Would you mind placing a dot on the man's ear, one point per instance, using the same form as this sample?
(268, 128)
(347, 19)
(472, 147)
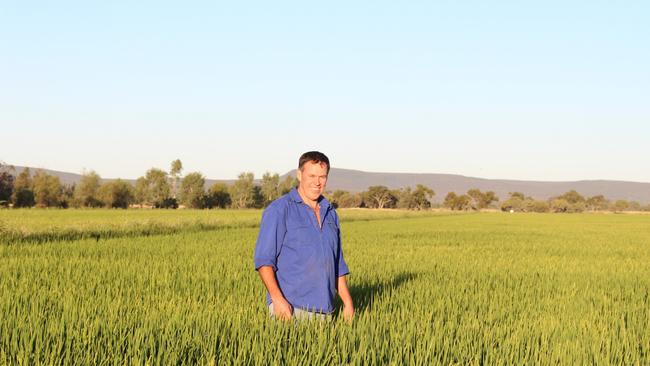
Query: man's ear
(298, 175)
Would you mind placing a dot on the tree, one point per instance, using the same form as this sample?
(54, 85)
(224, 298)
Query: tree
(270, 188)
(576, 207)
(175, 173)
(153, 189)
(488, 198)
(158, 186)
(476, 198)
(621, 205)
(518, 202)
(23, 195)
(47, 189)
(67, 195)
(86, 193)
(417, 199)
(6, 183)
(218, 196)
(481, 200)
(193, 190)
(379, 197)
(116, 194)
(258, 197)
(450, 200)
(634, 206)
(531, 205)
(559, 205)
(597, 203)
(572, 197)
(576, 202)
(345, 199)
(288, 183)
(513, 204)
(517, 195)
(141, 191)
(405, 199)
(422, 196)
(242, 191)
(463, 202)
(456, 202)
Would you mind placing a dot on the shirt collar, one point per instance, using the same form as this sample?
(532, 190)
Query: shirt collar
(296, 197)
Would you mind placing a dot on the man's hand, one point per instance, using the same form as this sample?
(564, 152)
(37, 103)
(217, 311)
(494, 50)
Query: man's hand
(344, 293)
(282, 309)
(348, 313)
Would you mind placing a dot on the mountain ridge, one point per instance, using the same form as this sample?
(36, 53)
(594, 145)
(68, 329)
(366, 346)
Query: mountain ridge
(357, 180)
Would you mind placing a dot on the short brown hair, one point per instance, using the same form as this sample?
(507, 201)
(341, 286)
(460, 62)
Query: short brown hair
(315, 157)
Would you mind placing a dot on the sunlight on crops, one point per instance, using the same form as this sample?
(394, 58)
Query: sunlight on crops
(42, 226)
(429, 288)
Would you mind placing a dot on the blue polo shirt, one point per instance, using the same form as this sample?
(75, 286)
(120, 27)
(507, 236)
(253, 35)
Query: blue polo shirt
(307, 258)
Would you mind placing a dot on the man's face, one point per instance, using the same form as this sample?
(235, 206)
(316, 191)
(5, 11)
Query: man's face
(312, 178)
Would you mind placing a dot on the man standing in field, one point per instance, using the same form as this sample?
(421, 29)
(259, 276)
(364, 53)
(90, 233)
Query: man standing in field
(298, 253)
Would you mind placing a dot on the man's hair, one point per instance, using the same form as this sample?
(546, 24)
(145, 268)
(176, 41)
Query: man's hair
(315, 157)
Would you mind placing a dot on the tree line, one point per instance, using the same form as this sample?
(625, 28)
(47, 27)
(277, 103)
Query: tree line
(569, 202)
(155, 189)
(158, 188)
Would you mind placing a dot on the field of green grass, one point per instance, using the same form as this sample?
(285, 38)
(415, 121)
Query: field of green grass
(178, 287)
(50, 225)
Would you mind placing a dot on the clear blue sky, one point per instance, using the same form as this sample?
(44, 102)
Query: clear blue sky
(545, 90)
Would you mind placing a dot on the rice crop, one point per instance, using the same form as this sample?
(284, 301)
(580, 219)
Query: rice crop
(51, 225)
(476, 289)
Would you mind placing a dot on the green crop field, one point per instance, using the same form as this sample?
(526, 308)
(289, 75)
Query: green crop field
(178, 287)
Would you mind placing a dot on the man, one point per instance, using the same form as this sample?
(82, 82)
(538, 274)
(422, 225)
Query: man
(298, 253)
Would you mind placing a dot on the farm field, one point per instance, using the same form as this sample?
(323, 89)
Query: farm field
(42, 226)
(178, 287)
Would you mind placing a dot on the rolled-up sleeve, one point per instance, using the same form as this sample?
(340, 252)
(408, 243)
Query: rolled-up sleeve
(270, 238)
(342, 267)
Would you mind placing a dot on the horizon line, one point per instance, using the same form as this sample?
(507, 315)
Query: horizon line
(360, 171)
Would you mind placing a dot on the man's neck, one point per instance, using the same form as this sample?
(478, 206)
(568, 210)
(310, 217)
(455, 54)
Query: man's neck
(307, 201)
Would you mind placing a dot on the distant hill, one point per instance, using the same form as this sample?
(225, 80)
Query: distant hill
(73, 178)
(357, 181)
(64, 177)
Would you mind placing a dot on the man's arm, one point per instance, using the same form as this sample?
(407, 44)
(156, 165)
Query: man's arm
(344, 293)
(341, 282)
(269, 242)
(281, 306)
